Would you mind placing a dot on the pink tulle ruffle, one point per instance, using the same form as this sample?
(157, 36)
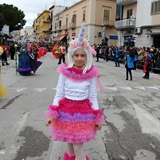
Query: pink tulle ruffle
(74, 121)
(77, 74)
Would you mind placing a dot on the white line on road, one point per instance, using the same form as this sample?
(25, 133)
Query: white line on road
(142, 88)
(112, 88)
(16, 130)
(20, 89)
(152, 87)
(149, 124)
(126, 88)
(40, 89)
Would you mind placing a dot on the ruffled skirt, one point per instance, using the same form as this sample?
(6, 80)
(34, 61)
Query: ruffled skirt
(74, 121)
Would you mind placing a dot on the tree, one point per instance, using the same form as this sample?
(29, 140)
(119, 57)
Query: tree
(1, 21)
(13, 17)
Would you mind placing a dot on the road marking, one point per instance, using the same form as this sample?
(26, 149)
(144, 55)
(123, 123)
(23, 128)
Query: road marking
(20, 89)
(127, 88)
(40, 89)
(112, 88)
(149, 124)
(2, 151)
(142, 88)
(54, 89)
(16, 130)
(152, 87)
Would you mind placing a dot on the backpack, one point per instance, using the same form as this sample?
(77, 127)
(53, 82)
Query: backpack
(150, 56)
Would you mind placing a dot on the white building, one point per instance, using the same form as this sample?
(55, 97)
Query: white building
(140, 23)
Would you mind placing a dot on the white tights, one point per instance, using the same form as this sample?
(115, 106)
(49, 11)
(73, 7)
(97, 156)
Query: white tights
(76, 149)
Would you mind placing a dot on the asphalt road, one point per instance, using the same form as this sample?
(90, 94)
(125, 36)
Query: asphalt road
(131, 108)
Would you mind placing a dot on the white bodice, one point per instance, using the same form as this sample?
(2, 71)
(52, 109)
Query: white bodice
(76, 90)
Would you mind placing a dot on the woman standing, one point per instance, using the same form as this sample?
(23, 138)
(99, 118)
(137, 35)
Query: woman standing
(24, 67)
(129, 63)
(147, 63)
(75, 116)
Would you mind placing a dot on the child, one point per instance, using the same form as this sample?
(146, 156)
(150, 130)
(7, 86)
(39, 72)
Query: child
(74, 115)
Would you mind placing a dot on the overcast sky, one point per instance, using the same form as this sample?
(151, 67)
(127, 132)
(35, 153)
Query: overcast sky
(32, 7)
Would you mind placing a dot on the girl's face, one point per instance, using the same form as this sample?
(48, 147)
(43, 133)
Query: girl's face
(79, 58)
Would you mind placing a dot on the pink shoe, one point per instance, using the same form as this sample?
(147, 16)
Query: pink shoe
(68, 157)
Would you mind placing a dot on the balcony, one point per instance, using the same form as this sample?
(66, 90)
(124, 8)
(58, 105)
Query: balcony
(45, 30)
(46, 20)
(125, 2)
(72, 25)
(126, 23)
(54, 29)
(59, 28)
(65, 27)
(108, 23)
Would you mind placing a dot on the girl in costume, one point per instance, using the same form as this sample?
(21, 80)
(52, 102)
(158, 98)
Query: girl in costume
(3, 90)
(75, 116)
(24, 65)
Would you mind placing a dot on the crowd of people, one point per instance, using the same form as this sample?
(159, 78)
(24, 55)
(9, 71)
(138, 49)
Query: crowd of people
(148, 58)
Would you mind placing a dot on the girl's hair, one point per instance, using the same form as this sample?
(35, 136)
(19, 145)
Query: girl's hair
(131, 52)
(89, 60)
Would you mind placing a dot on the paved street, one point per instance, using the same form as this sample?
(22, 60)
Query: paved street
(131, 108)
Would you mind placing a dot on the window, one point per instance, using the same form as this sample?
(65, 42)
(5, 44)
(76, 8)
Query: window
(106, 15)
(74, 18)
(129, 13)
(66, 21)
(84, 15)
(155, 7)
(60, 23)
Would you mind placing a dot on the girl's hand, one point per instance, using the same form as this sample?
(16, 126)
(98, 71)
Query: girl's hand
(98, 126)
(49, 121)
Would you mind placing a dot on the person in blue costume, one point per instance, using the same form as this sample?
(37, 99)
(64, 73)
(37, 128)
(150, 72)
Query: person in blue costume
(24, 66)
(27, 61)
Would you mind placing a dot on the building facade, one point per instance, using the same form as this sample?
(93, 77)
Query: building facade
(41, 26)
(139, 23)
(98, 16)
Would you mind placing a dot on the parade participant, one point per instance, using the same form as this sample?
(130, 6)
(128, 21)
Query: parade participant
(75, 116)
(147, 64)
(4, 55)
(24, 65)
(3, 90)
(62, 49)
(27, 60)
(129, 63)
(56, 52)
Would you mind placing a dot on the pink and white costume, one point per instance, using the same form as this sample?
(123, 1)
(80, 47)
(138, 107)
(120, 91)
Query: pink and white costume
(75, 108)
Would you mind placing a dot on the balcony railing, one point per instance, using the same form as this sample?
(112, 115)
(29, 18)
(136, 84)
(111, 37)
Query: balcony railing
(65, 27)
(59, 28)
(45, 30)
(54, 29)
(126, 23)
(125, 2)
(108, 22)
(46, 20)
(72, 25)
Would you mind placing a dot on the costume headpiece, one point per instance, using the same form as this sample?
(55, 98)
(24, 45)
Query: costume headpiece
(81, 43)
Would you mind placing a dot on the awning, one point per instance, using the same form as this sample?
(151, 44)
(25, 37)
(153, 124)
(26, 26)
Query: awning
(59, 38)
